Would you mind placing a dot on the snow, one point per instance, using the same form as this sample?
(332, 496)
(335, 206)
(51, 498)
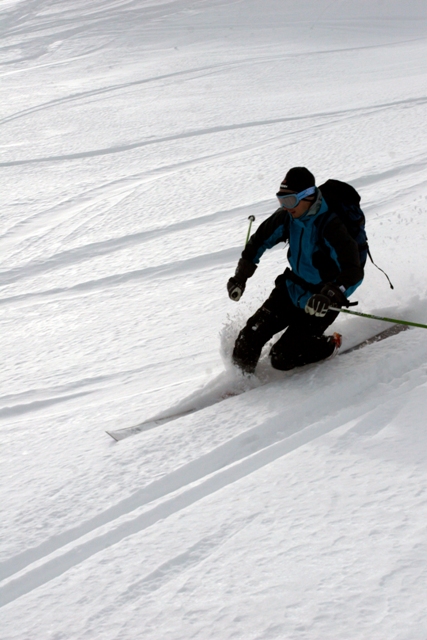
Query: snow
(137, 138)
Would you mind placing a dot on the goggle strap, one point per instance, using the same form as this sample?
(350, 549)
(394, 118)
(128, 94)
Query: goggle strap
(307, 192)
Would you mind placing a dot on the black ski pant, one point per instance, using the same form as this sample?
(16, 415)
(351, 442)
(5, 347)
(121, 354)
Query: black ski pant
(302, 342)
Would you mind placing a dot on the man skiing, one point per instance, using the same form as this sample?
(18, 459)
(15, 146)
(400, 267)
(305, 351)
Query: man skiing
(325, 270)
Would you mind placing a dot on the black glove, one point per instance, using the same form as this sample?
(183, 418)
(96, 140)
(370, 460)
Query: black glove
(235, 288)
(319, 303)
(236, 285)
(335, 295)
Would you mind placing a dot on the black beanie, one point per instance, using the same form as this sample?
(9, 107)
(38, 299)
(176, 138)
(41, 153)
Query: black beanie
(297, 179)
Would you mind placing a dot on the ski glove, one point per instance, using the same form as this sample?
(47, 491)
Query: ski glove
(236, 285)
(235, 288)
(319, 303)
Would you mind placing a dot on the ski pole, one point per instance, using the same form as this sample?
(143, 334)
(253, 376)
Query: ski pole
(251, 219)
(370, 315)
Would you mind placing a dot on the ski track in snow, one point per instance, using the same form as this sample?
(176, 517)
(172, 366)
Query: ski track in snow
(351, 113)
(223, 466)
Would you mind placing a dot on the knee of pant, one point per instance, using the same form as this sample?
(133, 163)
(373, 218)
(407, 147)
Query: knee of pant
(245, 355)
(259, 328)
(282, 361)
(243, 344)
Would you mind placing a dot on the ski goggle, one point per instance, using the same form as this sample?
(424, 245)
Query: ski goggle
(291, 200)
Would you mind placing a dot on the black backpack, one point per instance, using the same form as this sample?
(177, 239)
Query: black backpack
(344, 201)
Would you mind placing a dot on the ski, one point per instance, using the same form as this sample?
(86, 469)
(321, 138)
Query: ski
(121, 434)
(126, 432)
(386, 333)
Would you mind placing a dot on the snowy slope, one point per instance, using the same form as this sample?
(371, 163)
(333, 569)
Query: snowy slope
(137, 138)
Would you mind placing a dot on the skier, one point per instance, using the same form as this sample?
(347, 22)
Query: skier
(325, 270)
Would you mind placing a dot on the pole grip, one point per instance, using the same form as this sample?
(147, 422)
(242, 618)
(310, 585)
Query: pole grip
(251, 219)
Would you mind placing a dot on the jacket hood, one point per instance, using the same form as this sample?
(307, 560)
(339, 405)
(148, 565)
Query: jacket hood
(315, 207)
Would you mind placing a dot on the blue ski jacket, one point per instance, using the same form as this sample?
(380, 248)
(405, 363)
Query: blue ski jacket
(317, 254)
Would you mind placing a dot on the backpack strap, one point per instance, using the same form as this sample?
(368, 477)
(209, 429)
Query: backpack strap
(379, 269)
(308, 286)
(323, 221)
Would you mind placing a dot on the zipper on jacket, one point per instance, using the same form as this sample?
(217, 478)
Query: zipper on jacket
(299, 249)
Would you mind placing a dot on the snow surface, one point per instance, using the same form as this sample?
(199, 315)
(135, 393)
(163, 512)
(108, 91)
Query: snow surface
(137, 138)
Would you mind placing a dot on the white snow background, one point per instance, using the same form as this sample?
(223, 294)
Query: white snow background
(136, 138)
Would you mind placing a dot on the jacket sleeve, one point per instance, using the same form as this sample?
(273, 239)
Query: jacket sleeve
(270, 232)
(347, 252)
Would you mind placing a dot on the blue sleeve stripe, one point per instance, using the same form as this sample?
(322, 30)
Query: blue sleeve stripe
(270, 242)
(332, 252)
